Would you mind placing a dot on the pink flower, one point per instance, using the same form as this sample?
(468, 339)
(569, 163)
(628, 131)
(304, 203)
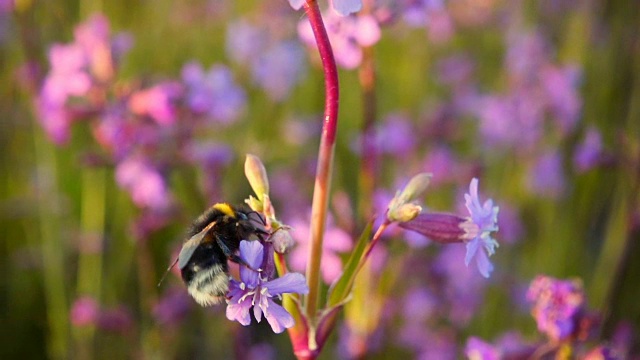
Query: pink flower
(341, 7)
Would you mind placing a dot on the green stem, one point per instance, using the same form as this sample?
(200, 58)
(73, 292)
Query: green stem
(52, 248)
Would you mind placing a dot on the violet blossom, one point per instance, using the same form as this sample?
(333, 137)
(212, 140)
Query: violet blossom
(213, 93)
(589, 153)
(279, 68)
(477, 349)
(474, 230)
(546, 175)
(255, 291)
(484, 219)
(341, 7)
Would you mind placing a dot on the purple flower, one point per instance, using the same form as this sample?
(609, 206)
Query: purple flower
(66, 78)
(588, 153)
(172, 308)
(255, 291)
(347, 35)
(484, 220)
(342, 7)
(514, 120)
(157, 102)
(145, 184)
(94, 37)
(245, 41)
(546, 177)
(560, 85)
(85, 311)
(433, 15)
(213, 93)
(279, 68)
(442, 163)
(556, 305)
(477, 349)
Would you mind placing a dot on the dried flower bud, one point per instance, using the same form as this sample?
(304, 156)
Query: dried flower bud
(257, 175)
(282, 240)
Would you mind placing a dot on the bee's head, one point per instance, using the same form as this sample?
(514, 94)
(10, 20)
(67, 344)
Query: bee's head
(251, 223)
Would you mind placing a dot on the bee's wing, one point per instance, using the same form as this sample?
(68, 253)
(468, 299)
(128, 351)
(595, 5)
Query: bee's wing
(191, 245)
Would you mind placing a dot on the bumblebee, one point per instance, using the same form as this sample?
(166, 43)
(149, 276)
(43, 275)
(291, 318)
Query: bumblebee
(214, 238)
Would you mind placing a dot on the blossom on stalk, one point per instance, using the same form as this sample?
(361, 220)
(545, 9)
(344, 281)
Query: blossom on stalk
(444, 228)
(255, 291)
(341, 7)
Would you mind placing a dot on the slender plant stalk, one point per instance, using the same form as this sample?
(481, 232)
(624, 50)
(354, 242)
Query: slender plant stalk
(368, 165)
(325, 157)
(52, 249)
(90, 260)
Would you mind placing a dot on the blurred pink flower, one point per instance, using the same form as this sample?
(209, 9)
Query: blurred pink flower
(347, 35)
(157, 102)
(556, 305)
(336, 241)
(341, 7)
(145, 184)
(85, 311)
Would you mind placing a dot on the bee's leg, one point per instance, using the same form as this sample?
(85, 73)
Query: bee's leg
(231, 256)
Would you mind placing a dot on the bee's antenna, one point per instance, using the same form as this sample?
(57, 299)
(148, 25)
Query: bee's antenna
(167, 272)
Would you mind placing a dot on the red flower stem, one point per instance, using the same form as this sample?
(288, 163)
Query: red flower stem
(325, 158)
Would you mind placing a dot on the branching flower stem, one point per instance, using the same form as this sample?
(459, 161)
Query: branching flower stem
(325, 158)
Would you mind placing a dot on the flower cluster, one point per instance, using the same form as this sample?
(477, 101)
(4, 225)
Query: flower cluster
(557, 306)
(140, 129)
(255, 291)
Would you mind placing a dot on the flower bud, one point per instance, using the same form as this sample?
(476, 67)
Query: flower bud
(440, 227)
(416, 186)
(282, 240)
(400, 207)
(257, 175)
(404, 213)
(254, 203)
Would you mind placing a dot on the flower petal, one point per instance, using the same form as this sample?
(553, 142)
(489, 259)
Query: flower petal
(252, 253)
(484, 265)
(289, 283)
(345, 7)
(472, 249)
(278, 317)
(296, 4)
(239, 312)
